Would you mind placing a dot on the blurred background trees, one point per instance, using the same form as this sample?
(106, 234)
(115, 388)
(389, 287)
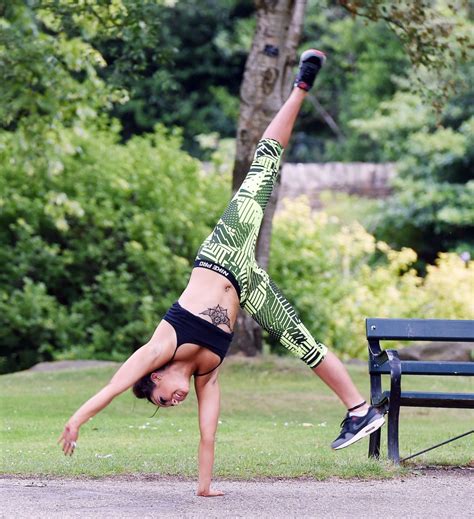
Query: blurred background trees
(107, 109)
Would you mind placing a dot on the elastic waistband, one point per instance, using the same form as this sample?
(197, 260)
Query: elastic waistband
(215, 267)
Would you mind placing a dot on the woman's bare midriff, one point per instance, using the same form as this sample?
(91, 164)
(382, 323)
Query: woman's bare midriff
(206, 290)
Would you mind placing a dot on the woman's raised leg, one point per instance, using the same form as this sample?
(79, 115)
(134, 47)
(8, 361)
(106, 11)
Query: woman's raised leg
(269, 307)
(334, 374)
(281, 126)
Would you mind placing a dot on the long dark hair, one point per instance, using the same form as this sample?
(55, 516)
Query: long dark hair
(143, 388)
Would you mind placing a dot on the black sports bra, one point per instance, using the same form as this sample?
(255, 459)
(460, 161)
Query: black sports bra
(192, 329)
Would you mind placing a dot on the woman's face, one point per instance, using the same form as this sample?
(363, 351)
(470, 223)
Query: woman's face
(170, 388)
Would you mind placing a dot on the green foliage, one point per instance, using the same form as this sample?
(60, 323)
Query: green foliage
(177, 63)
(374, 49)
(181, 63)
(94, 250)
(50, 85)
(337, 275)
(347, 208)
(43, 76)
(432, 208)
(358, 65)
(96, 236)
(435, 35)
(91, 230)
(31, 313)
(365, 62)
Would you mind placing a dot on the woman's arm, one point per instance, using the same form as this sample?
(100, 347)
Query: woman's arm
(143, 361)
(208, 395)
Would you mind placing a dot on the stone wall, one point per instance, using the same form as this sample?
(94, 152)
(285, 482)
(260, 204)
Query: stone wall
(355, 178)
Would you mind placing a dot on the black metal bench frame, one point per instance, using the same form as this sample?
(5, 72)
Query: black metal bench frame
(387, 362)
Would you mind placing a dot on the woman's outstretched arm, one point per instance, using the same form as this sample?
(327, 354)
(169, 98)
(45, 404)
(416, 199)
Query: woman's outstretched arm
(208, 394)
(143, 361)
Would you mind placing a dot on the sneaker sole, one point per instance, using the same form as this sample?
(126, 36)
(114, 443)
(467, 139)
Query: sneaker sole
(319, 53)
(368, 429)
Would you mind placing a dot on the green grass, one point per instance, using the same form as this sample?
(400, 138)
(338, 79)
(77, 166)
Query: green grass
(267, 405)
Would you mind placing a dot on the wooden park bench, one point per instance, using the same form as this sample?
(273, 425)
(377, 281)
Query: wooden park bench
(387, 362)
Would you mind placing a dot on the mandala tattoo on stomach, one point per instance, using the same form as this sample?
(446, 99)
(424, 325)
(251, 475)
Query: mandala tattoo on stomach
(218, 316)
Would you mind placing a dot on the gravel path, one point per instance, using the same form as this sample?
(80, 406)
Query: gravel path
(429, 494)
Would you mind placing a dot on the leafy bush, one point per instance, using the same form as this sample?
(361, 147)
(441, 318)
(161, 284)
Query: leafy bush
(96, 242)
(432, 208)
(337, 275)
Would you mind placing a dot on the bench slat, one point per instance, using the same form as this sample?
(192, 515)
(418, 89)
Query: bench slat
(420, 329)
(415, 367)
(445, 400)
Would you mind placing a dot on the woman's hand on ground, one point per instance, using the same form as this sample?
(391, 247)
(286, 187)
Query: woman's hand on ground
(68, 438)
(210, 493)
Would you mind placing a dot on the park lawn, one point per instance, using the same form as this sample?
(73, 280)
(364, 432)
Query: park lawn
(277, 420)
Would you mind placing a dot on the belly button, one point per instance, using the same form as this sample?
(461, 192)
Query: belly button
(227, 288)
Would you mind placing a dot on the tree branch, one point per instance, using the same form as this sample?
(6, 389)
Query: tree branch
(328, 119)
(353, 10)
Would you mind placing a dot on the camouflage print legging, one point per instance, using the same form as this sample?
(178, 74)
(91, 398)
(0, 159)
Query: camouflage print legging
(232, 245)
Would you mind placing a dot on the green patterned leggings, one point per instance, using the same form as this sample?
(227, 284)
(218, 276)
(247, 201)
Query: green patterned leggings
(232, 245)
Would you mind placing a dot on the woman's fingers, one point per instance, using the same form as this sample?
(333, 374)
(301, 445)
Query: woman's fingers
(71, 447)
(68, 439)
(68, 447)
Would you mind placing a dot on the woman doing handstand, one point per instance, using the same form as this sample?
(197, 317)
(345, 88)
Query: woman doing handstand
(195, 334)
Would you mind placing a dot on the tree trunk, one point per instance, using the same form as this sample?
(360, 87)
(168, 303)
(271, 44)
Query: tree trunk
(267, 82)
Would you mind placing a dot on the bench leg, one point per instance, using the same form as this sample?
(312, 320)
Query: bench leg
(394, 406)
(392, 433)
(375, 395)
(374, 444)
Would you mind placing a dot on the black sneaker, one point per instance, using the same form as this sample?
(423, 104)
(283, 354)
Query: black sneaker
(310, 63)
(355, 428)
